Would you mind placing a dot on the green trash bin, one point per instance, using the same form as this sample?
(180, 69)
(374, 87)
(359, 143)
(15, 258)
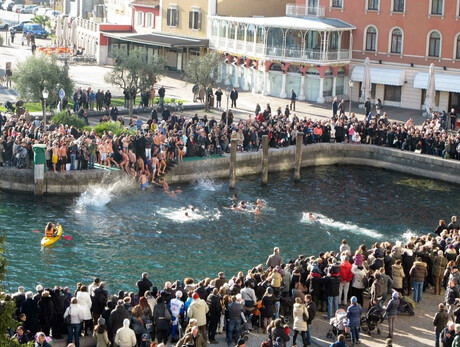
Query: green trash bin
(39, 154)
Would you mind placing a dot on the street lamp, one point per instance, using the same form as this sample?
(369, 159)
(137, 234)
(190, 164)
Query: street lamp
(45, 95)
(227, 94)
(350, 84)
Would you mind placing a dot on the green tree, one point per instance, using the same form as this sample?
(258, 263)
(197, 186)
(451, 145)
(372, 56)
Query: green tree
(202, 71)
(134, 73)
(7, 308)
(38, 72)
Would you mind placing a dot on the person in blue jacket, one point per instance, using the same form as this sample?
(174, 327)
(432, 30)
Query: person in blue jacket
(354, 313)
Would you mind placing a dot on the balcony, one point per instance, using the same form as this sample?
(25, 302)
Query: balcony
(304, 11)
(293, 54)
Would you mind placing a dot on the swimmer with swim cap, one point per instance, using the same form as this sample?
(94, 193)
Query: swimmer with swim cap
(242, 204)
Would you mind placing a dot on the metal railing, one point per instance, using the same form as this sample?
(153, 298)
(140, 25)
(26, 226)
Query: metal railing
(304, 11)
(272, 52)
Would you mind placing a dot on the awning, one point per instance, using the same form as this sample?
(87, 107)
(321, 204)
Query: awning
(443, 82)
(391, 77)
(160, 40)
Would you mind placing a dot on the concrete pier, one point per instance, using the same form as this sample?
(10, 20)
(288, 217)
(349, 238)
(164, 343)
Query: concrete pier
(233, 145)
(298, 156)
(264, 160)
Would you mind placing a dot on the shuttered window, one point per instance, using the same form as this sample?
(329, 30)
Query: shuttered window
(172, 17)
(194, 20)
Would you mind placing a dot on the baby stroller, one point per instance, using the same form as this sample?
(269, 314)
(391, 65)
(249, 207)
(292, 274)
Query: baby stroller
(9, 106)
(339, 325)
(406, 306)
(371, 320)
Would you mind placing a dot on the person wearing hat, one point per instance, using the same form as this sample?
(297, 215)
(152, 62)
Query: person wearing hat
(392, 312)
(100, 334)
(125, 336)
(116, 318)
(354, 313)
(198, 310)
(177, 309)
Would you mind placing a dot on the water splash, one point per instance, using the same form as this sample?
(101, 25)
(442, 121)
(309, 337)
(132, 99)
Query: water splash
(408, 235)
(207, 184)
(186, 215)
(345, 226)
(99, 195)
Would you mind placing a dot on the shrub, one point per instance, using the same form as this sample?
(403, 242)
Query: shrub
(66, 119)
(115, 127)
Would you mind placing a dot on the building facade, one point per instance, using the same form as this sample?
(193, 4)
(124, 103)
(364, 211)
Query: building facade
(401, 38)
(275, 55)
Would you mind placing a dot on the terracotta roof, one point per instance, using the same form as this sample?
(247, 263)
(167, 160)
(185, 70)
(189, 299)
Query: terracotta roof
(145, 3)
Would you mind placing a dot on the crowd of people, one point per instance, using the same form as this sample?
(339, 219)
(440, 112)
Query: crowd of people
(267, 298)
(167, 136)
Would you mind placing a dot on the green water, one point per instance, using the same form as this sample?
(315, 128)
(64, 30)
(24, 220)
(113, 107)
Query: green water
(119, 231)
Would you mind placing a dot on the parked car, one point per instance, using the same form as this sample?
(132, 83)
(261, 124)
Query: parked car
(17, 8)
(35, 29)
(42, 11)
(51, 13)
(8, 5)
(29, 9)
(19, 27)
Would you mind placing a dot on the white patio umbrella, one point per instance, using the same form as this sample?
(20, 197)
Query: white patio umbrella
(430, 91)
(59, 39)
(366, 85)
(66, 32)
(74, 35)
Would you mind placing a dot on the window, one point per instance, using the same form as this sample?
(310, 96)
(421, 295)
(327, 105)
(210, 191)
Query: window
(373, 89)
(371, 39)
(149, 20)
(336, 3)
(457, 55)
(139, 18)
(437, 7)
(434, 45)
(396, 41)
(172, 17)
(398, 5)
(436, 97)
(194, 19)
(373, 5)
(392, 93)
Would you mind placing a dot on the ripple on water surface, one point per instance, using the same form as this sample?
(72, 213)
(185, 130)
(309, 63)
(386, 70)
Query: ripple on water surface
(119, 231)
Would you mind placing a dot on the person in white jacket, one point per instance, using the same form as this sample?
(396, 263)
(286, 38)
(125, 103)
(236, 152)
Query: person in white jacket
(76, 317)
(84, 299)
(358, 282)
(125, 337)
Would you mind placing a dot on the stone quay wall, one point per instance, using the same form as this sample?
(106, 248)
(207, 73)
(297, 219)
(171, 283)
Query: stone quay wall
(318, 155)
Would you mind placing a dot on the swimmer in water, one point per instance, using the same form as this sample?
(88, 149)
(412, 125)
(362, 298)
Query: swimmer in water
(257, 211)
(259, 203)
(242, 204)
(311, 217)
(186, 214)
(235, 197)
(143, 178)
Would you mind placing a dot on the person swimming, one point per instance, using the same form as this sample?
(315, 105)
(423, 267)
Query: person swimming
(144, 179)
(259, 203)
(186, 214)
(235, 197)
(311, 217)
(242, 204)
(257, 211)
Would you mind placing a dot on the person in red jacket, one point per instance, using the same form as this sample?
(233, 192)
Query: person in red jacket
(346, 277)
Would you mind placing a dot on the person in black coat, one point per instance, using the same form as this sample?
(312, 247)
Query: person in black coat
(47, 312)
(117, 316)
(144, 284)
(99, 301)
(60, 303)
(215, 311)
(162, 316)
(311, 309)
(331, 289)
(30, 308)
(234, 97)
(218, 94)
(277, 334)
